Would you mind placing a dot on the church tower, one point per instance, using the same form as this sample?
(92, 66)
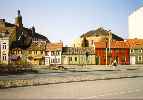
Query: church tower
(18, 19)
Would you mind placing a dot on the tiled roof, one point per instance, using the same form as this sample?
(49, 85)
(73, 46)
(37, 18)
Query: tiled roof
(37, 35)
(135, 43)
(9, 24)
(101, 32)
(72, 50)
(37, 46)
(100, 44)
(54, 46)
(114, 44)
(17, 49)
(119, 44)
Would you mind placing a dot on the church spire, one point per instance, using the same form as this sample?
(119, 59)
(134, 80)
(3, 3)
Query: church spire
(18, 13)
(33, 29)
(18, 19)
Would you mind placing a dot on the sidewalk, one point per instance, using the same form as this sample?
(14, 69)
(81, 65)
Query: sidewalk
(45, 80)
(103, 67)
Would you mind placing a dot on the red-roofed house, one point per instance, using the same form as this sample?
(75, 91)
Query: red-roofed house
(53, 53)
(119, 51)
(136, 51)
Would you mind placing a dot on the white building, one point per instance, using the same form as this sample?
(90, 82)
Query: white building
(53, 54)
(4, 50)
(135, 24)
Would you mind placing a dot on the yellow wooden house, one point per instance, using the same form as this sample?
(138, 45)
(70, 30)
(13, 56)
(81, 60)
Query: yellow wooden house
(36, 53)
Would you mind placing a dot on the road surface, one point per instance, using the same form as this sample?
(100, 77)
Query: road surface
(115, 88)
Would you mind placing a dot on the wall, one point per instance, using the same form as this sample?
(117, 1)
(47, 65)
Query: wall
(4, 50)
(49, 58)
(81, 59)
(135, 24)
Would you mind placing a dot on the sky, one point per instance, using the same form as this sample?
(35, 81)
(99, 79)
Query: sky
(67, 19)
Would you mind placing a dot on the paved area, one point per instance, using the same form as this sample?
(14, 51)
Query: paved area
(75, 72)
(107, 89)
(72, 74)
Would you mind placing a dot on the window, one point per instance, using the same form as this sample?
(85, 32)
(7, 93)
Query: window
(51, 60)
(75, 58)
(131, 51)
(14, 51)
(70, 58)
(58, 53)
(139, 58)
(52, 53)
(46, 53)
(4, 45)
(140, 50)
(35, 39)
(35, 52)
(4, 57)
(58, 60)
(92, 42)
(19, 51)
(30, 52)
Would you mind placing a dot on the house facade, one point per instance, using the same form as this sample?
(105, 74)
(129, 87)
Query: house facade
(16, 55)
(97, 35)
(119, 51)
(53, 53)
(36, 53)
(4, 50)
(78, 56)
(136, 51)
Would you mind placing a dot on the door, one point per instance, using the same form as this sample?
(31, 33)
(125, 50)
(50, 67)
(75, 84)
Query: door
(97, 60)
(47, 60)
(132, 60)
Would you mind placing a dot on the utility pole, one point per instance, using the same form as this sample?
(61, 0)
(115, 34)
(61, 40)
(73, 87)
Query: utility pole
(108, 42)
(106, 52)
(109, 45)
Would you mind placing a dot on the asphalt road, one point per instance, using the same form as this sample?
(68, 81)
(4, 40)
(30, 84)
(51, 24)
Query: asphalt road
(115, 88)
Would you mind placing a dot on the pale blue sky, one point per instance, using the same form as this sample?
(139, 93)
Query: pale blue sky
(67, 19)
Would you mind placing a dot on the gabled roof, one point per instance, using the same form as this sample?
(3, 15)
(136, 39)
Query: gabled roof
(100, 32)
(9, 24)
(37, 35)
(135, 43)
(37, 46)
(16, 49)
(54, 46)
(78, 50)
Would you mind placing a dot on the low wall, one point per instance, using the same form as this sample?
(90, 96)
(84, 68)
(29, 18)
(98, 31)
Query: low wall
(55, 80)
